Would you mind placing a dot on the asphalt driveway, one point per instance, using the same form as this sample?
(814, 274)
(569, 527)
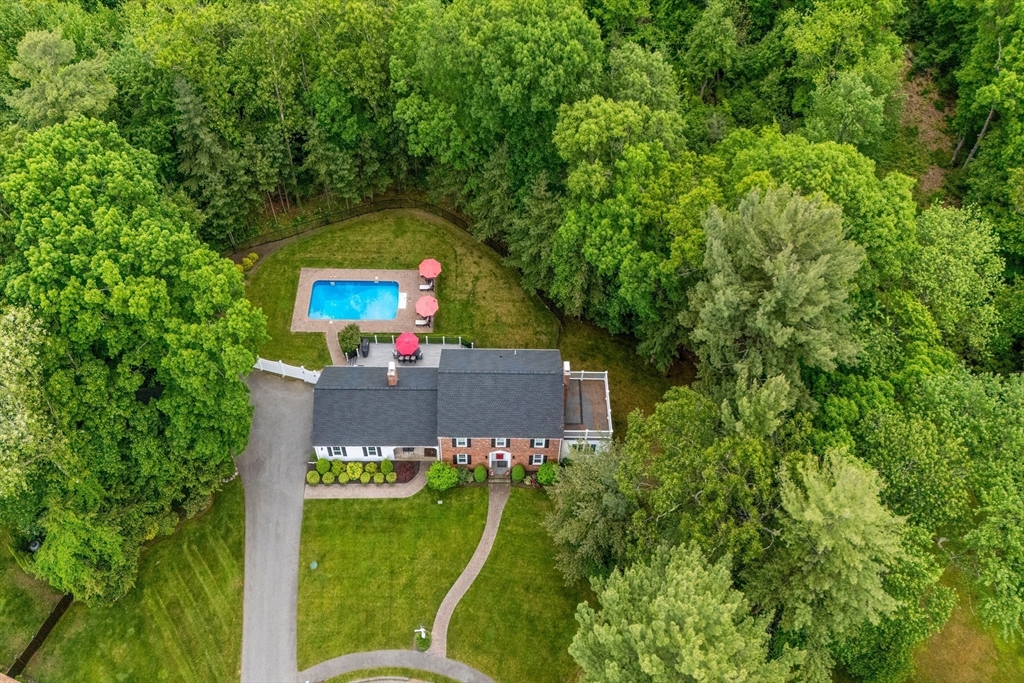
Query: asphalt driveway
(273, 473)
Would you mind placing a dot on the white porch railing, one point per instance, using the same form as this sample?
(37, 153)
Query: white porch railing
(589, 375)
(281, 368)
(586, 434)
(390, 339)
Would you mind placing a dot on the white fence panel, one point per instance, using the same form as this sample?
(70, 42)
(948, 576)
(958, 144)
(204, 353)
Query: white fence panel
(281, 368)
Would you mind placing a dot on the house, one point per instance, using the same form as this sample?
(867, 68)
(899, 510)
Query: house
(492, 407)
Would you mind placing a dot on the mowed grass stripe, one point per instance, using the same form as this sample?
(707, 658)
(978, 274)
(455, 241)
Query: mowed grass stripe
(183, 620)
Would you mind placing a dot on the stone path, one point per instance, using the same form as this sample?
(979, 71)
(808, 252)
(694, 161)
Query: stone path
(273, 470)
(496, 499)
(337, 356)
(405, 659)
(409, 488)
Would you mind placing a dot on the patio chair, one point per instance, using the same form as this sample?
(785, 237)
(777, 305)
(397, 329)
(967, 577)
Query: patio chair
(427, 287)
(421, 323)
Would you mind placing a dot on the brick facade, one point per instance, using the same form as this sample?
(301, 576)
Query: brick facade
(479, 451)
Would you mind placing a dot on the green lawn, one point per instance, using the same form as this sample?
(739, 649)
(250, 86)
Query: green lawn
(384, 566)
(480, 297)
(24, 604)
(181, 622)
(517, 620)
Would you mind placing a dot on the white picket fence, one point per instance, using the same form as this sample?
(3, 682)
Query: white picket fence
(281, 368)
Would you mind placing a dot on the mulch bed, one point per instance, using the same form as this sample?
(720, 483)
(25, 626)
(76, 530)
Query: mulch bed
(406, 471)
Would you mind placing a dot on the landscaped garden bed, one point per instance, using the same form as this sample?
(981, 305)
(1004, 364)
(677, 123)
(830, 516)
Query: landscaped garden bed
(326, 472)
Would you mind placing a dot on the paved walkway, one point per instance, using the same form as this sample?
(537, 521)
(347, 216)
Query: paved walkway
(273, 470)
(496, 499)
(409, 488)
(337, 356)
(405, 659)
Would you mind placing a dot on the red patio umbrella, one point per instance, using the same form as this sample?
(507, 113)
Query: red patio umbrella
(426, 306)
(406, 344)
(430, 268)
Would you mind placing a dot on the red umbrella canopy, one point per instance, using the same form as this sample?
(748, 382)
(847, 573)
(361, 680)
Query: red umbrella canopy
(426, 305)
(430, 268)
(406, 344)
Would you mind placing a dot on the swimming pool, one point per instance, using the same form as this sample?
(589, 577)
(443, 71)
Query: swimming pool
(353, 300)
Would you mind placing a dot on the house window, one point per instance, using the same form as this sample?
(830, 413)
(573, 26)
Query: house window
(462, 443)
(540, 443)
(500, 443)
(371, 452)
(537, 458)
(462, 459)
(336, 451)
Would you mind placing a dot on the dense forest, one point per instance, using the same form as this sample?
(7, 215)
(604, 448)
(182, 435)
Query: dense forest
(731, 180)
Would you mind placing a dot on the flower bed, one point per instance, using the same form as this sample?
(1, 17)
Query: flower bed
(358, 473)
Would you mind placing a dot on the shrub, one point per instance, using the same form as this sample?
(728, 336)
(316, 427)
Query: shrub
(518, 473)
(378, 478)
(365, 477)
(343, 478)
(370, 467)
(312, 477)
(348, 338)
(480, 474)
(253, 256)
(354, 470)
(391, 477)
(528, 481)
(547, 474)
(337, 467)
(323, 465)
(386, 466)
(328, 478)
(465, 476)
(441, 476)
(422, 644)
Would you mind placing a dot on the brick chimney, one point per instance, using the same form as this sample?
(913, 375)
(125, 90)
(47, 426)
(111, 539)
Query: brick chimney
(392, 374)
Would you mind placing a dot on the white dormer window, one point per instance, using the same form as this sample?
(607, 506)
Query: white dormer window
(540, 443)
(461, 443)
(501, 443)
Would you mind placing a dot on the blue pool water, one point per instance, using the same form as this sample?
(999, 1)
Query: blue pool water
(353, 300)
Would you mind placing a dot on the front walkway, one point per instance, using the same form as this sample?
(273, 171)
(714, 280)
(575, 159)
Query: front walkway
(403, 659)
(351, 491)
(497, 497)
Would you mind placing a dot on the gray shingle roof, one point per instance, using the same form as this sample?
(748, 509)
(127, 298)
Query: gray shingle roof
(354, 406)
(500, 393)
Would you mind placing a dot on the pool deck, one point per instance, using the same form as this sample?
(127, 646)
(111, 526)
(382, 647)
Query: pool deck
(380, 356)
(408, 290)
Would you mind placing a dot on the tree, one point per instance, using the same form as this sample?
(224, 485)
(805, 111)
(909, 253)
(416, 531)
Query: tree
(643, 77)
(846, 110)
(148, 336)
(58, 89)
(825, 579)
(590, 522)
(956, 273)
(774, 296)
(676, 618)
(711, 45)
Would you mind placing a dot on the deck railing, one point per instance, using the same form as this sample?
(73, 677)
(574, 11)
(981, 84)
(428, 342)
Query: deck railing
(588, 375)
(425, 338)
(586, 434)
(281, 368)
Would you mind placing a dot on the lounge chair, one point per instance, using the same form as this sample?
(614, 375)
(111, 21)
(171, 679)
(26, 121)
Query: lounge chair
(427, 287)
(420, 323)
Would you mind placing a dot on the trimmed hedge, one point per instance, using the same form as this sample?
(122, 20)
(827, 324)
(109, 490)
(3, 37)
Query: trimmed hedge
(312, 477)
(354, 469)
(370, 467)
(391, 477)
(547, 474)
(323, 465)
(328, 478)
(387, 467)
(365, 477)
(348, 338)
(518, 473)
(378, 478)
(343, 478)
(480, 474)
(441, 476)
(337, 467)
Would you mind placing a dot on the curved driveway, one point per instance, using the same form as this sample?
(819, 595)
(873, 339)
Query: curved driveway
(273, 471)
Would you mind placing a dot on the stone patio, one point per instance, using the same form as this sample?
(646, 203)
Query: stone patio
(380, 355)
(408, 289)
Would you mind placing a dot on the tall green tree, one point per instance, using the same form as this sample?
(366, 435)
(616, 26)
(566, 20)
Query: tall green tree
(675, 618)
(149, 334)
(774, 299)
(58, 88)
